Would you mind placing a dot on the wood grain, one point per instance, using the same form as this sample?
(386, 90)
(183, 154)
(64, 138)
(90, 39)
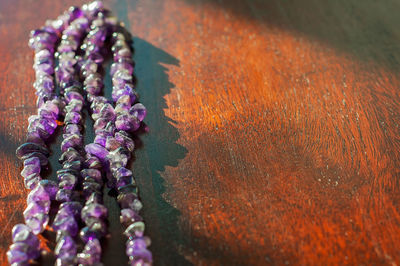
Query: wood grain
(273, 128)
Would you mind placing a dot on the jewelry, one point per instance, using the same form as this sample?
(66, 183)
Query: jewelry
(80, 35)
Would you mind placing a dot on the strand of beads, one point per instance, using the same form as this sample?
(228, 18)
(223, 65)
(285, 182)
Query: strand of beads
(34, 152)
(67, 218)
(94, 212)
(128, 120)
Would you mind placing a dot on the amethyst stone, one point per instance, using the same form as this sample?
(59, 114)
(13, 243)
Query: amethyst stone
(42, 158)
(94, 210)
(127, 122)
(129, 216)
(30, 147)
(30, 169)
(20, 253)
(135, 230)
(91, 253)
(65, 195)
(37, 223)
(65, 223)
(66, 247)
(97, 150)
(22, 233)
(139, 111)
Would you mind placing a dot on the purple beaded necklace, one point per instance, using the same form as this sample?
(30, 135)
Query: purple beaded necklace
(79, 36)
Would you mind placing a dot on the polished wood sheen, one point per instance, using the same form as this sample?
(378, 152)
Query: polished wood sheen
(273, 125)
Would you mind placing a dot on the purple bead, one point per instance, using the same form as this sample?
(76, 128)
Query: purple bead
(30, 147)
(129, 200)
(129, 216)
(98, 102)
(65, 223)
(74, 165)
(35, 138)
(90, 187)
(22, 233)
(52, 107)
(136, 249)
(125, 140)
(101, 140)
(123, 53)
(91, 253)
(88, 67)
(34, 208)
(97, 150)
(95, 37)
(93, 173)
(125, 101)
(107, 112)
(71, 155)
(46, 114)
(43, 54)
(67, 181)
(140, 257)
(43, 159)
(95, 197)
(127, 122)
(118, 158)
(32, 161)
(94, 80)
(138, 243)
(73, 95)
(121, 76)
(139, 111)
(39, 194)
(92, 162)
(71, 141)
(123, 176)
(94, 210)
(112, 143)
(72, 129)
(122, 109)
(117, 66)
(32, 181)
(30, 169)
(66, 247)
(42, 126)
(135, 230)
(65, 195)
(86, 234)
(120, 90)
(123, 181)
(73, 117)
(46, 68)
(37, 223)
(74, 106)
(21, 252)
(73, 208)
(100, 124)
(96, 57)
(50, 187)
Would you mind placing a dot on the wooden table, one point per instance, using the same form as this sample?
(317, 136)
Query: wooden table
(274, 128)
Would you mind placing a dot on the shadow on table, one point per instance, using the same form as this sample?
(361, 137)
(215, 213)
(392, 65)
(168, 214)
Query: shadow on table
(160, 149)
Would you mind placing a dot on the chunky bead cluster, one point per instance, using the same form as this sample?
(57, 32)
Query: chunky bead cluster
(69, 53)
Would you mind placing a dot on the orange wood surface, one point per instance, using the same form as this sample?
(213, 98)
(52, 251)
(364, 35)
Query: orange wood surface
(273, 128)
